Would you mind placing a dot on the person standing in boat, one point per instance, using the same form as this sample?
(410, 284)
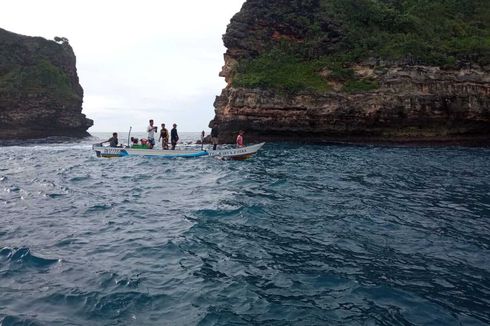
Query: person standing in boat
(164, 137)
(214, 136)
(239, 139)
(151, 134)
(174, 136)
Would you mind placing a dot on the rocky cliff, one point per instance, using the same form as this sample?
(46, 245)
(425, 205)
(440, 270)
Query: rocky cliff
(357, 70)
(40, 94)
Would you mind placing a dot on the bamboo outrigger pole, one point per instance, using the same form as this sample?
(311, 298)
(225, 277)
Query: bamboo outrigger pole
(129, 135)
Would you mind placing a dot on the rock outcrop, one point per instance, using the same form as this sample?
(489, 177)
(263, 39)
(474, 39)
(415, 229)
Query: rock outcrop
(362, 99)
(413, 103)
(40, 94)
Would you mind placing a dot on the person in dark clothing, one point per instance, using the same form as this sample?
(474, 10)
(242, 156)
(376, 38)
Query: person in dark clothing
(164, 137)
(214, 136)
(174, 137)
(113, 141)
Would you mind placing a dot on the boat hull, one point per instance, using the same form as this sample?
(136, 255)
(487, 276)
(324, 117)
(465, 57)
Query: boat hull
(241, 153)
(111, 152)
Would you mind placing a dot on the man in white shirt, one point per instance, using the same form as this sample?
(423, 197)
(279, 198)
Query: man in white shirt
(151, 134)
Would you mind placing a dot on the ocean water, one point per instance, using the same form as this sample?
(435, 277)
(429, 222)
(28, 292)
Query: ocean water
(298, 235)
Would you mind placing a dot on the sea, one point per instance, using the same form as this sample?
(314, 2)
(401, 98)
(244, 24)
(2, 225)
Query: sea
(301, 234)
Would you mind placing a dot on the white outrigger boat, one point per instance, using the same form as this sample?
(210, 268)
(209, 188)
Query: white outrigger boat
(240, 153)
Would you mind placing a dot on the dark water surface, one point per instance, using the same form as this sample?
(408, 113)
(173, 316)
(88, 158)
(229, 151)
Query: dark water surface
(303, 235)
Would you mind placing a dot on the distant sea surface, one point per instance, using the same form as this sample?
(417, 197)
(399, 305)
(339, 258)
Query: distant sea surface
(298, 235)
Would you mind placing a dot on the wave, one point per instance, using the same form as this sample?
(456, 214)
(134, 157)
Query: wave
(118, 306)
(47, 140)
(25, 257)
(297, 235)
(18, 321)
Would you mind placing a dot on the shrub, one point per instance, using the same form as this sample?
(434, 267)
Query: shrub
(357, 86)
(41, 77)
(432, 32)
(279, 70)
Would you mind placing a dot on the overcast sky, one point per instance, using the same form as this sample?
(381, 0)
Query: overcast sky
(137, 59)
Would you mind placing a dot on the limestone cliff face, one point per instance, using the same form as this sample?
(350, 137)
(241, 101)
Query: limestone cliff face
(40, 94)
(412, 103)
(380, 100)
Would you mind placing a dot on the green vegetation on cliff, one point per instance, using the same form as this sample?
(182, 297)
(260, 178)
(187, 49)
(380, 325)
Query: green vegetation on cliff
(35, 67)
(41, 78)
(311, 35)
(280, 70)
(40, 93)
(434, 32)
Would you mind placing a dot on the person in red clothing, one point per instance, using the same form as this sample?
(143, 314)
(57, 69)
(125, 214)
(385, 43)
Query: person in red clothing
(239, 139)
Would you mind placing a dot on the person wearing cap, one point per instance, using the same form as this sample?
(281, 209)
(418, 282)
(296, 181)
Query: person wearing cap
(174, 137)
(151, 133)
(239, 139)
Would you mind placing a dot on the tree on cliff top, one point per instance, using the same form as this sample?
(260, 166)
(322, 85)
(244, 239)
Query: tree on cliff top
(62, 40)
